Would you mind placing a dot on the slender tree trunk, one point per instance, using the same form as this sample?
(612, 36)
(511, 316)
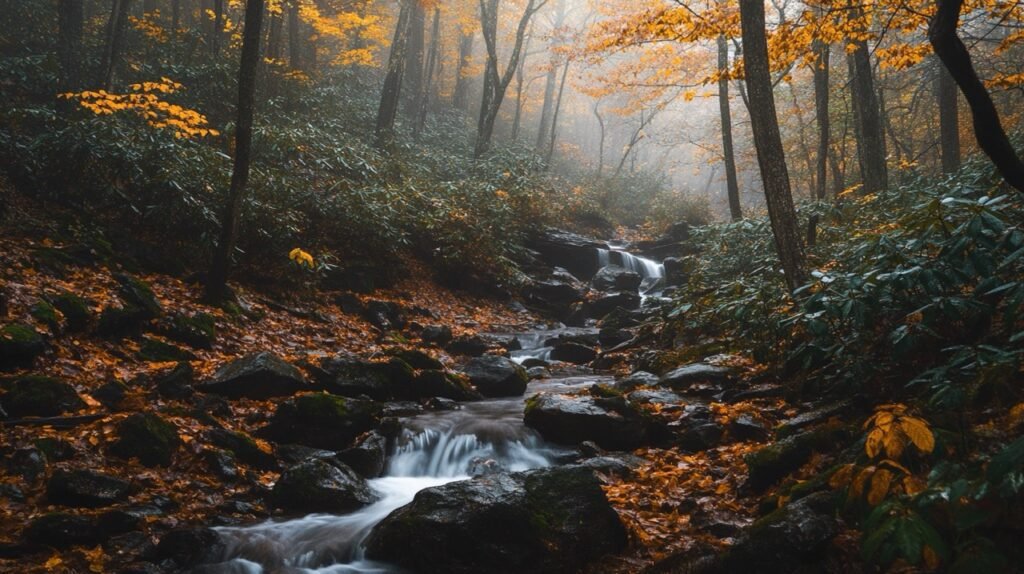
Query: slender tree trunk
(218, 27)
(495, 83)
(870, 139)
(987, 127)
(768, 141)
(554, 116)
(392, 90)
(550, 83)
(731, 181)
(949, 121)
(117, 28)
(414, 59)
(520, 80)
(274, 36)
(821, 97)
(600, 143)
(216, 286)
(460, 97)
(69, 47)
(294, 36)
(428, 81)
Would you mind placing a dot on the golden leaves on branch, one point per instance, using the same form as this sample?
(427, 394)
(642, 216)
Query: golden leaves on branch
(145, 101)
(892, 430)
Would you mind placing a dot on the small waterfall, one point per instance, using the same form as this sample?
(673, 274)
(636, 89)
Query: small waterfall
(604, 257)
(651, 272)
(449, 454)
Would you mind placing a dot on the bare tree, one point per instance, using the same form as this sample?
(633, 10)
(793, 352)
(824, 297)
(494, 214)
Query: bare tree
(728, 154)
(392, 90)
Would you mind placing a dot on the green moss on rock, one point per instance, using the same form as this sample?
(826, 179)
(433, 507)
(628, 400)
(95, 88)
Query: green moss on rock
(157, 351)
(46, 313)
(149, 438)
(198, 331)
(75, 309)
(40, 396)
(19, 345)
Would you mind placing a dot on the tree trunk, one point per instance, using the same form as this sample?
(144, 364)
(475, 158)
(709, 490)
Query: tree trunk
(414, 59)
(870, 139)
(117, 28)
(218, 27)
(517, 120)
(987, 127)
(294, 36)
(69, 47)
(600, 143)
(496, 83)
(392, 90)
(216, 286)
(768, 141)
(821, 97)
(731, 181)
(550, 83)
(428, 81)
(460, 97)
(949, 121)
(274, 36)
(554, 116)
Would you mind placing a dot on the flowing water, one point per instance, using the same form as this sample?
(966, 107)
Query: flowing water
(649, 270)
(437, 448)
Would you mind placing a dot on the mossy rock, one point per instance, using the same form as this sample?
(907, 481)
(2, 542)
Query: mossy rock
(321, 486)
(771, 463)
(139, 294)
(62, 530)
(321, 420)
(20, 344)
(53, 260)
(46, 313)
(157, 351)
(243, 447)
(147, 437)
(40, 396)
(438, 383)
(75, 309)
(417, 359)
(121, 321)
(198, 331)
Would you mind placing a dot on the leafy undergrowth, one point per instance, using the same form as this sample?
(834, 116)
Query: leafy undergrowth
(187, 491)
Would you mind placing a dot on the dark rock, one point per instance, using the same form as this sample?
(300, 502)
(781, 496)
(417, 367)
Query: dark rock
(550, 520)
(243, 447)
(537, 373)
(190, 547)
(385, 315)
(37, 396)
(257, 376)
(613, 337)
(439, 335)
(118, 322)
(198, 331)
(157, 351)
(441, 404)
(699, 437)
(693, 375)
(574, 252)
(19, 346)
(46, 313)
(319, 486)
(61, 530)
(367, 456)
(620, 319)
(139, 294)
(350, 376)
(573, 353)
(555, 296)
(444, 384)
(76, 310)
(798, 533)
(813, 417)
(119, 521)
(769, 464)
(175, 383)
(616, 278)
(110, 394)
(418, 359)
(29, 463)
(746, 427)
(221, 463)
(655, 397)
(55, 449)
(321, 420)
(675, 271)
(605, 304)
(532, 362)
(575, 419)
(763, 391)
(148, 437)
(496, 376)
(84, 488)
(468, 345)
(638, 379)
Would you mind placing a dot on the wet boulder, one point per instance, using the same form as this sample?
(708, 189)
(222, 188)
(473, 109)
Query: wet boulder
(111, 394)
(317, 485)
(675, 271)
(189, 547)
(468, 345)
(613, 424)
(636, 380)
(243, 447)
(496, 376)
(605, 304)
(154, 350)
(385, 315)
(609, 338)
(548, 520)
(768, 465)
(575, 353)
(368, 456)
(616, 278)
(147, 437)
(697, 378)
(417, 359)
(138, 294)
(321, 420)
(83, 488)
(38, 396)
(19, 346)
(198, 331)
(76, 310)
(439, 335)
(257, 376)
(62, 530)
(351, 376)
(439, 383)
(553, 295)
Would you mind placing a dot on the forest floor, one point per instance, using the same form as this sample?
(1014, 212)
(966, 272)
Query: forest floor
(675, 502)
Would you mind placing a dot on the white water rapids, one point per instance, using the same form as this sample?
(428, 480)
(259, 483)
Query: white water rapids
(439, 447)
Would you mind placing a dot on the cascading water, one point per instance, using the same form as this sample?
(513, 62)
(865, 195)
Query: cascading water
(436, 448)
(649, 270)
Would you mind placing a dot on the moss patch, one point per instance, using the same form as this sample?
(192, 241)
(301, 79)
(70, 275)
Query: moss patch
(75, 309)
(149, 438)
(19, 345)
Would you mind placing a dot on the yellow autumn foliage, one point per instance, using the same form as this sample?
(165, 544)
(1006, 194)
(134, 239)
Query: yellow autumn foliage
(144, 100)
